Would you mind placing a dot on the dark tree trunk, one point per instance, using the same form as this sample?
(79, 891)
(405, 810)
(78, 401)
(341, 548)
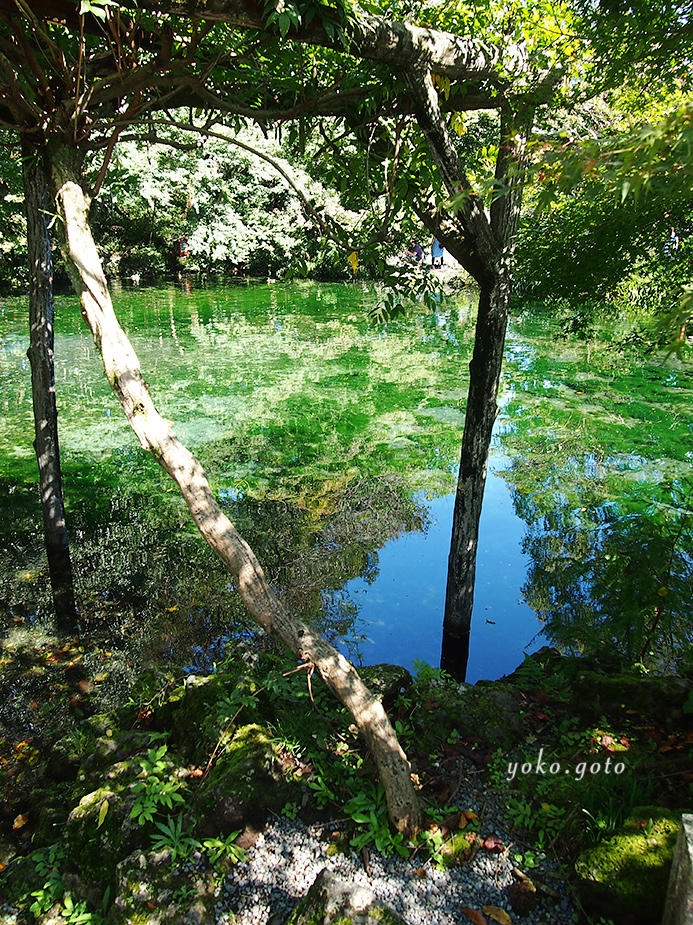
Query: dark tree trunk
(40, 353)
(484, 379)
(482, 409)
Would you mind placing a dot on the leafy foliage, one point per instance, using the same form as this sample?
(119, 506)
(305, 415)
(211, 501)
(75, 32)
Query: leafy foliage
(157, 789)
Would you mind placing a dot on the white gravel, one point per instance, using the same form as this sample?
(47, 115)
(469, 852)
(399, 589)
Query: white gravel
(289, 855)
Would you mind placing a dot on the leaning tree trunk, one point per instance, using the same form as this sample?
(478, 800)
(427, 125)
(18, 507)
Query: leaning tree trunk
(155, 435)
(40, 353)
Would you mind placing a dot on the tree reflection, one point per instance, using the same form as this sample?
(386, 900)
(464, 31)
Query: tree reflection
(611, 567)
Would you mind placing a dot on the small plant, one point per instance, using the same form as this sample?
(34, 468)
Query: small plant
(528, 860)
(47, 864)
(368, 809)
(217, 848)
(153, 793)
(290, 810)
(229, 708)
(171, 836)
(425, 672)
(544, 823)
(405, 733)
(321, 791)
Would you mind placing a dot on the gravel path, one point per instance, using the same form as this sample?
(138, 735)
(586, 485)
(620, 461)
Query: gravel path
(288, 856)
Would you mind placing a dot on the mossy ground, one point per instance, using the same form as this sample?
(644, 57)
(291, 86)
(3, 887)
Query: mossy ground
(240, 743)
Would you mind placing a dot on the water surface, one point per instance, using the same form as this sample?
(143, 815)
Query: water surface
(333, 444)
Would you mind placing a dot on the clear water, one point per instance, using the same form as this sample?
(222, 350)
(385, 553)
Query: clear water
(333, 444)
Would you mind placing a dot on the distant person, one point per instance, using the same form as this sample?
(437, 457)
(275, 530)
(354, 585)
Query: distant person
(437, 251)
(672, 244)
(414, 254)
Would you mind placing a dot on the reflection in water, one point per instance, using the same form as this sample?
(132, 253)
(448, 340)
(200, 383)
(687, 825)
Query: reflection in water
(601, 475)
(400, 609)
(334, 445)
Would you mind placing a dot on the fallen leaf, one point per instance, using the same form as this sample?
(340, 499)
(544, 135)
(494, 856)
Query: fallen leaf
(498, 915)
(474, 916)
(420, 872)
(493, 843)
(20, 821)
(469, 815)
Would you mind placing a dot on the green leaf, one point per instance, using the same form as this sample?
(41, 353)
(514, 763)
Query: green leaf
(102, 814)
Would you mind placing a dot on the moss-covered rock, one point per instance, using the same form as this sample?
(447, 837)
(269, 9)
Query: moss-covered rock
(101, 829)
(94, 849)
(331, 901)
(152, 891)
(387, 682)
(599, 694)
(490, 714)
(247, 780)
(198, 711)
(629, 873)
(456, 849)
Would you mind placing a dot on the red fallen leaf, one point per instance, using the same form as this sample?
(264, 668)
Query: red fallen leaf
(607, 739)
(624, 741)
(196, 772)
(493, 843)
(474, 916)
(542, 715)
(150, 905)
(420, 872)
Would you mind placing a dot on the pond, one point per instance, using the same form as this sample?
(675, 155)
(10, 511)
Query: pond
(333, 444)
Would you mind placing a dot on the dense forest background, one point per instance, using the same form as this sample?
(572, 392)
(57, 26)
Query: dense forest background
(592, 248)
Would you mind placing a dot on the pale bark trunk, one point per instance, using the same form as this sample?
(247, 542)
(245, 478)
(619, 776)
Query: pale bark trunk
(155, 435)
(41, 358)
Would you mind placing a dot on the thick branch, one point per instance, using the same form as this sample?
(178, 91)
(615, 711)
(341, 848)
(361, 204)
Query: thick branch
(392, 43)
